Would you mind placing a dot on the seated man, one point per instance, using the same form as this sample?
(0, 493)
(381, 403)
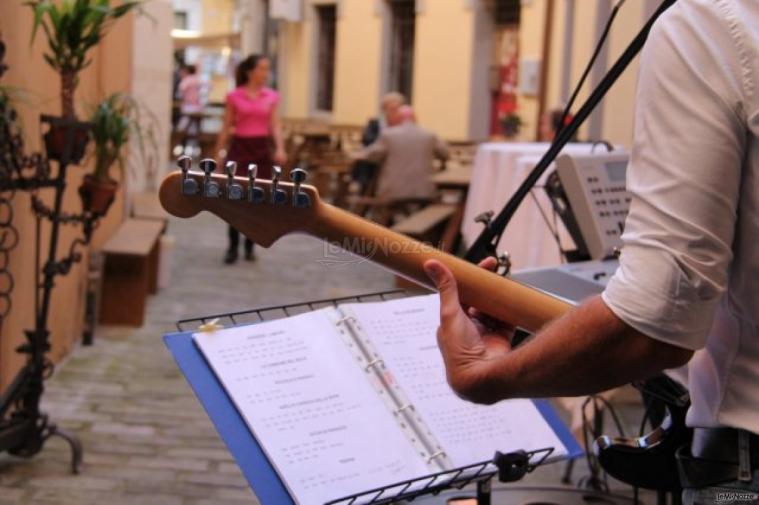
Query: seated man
(364, 171)
(405, 152)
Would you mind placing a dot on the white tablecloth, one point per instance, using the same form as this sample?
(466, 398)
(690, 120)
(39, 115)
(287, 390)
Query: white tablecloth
(499, 169)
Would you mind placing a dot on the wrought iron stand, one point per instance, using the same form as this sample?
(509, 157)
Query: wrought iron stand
(24, 428)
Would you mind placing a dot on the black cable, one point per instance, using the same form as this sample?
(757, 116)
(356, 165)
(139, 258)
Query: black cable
(589, 67)
(486, 243)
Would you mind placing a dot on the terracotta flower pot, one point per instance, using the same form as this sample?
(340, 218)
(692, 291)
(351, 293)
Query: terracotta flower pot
(97, 196)
(55, 143)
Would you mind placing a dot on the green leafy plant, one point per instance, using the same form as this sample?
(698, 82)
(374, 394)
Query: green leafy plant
(72, 28)
(511, 124)
(116, 121)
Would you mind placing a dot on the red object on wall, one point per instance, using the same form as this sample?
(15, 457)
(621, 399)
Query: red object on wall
(505, 97)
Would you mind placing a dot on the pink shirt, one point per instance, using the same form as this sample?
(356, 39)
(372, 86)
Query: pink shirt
(252, 115)
(189, 89)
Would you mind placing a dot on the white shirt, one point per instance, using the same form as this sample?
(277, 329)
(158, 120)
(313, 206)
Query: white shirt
(689, 270)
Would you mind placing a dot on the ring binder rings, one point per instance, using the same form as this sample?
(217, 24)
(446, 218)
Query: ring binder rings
(345, 319)
(373, 363)
(435, 455)
(248, 451)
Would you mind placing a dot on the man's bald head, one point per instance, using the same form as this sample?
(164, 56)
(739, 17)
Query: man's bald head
(390, 103)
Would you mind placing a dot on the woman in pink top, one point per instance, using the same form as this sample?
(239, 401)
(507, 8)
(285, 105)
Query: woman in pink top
(251, 132)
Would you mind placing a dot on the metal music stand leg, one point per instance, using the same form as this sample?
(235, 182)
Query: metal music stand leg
(569, 467)
(484, 496)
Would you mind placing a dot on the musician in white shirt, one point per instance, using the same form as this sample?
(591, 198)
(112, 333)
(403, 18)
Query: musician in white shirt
(687, 289)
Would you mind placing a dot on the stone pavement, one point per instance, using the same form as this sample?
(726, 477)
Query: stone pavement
(146, 438)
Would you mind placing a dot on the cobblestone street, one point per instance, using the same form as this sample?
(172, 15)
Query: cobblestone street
(146, 438)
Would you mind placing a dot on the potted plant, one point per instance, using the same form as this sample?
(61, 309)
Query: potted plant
(72, 28)
(511, 124)
(115, 122)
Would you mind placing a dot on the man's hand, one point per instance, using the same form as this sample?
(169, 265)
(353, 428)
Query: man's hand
(471, 342)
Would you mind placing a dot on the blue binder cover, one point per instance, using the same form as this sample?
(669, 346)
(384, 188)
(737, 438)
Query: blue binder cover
(246, 450)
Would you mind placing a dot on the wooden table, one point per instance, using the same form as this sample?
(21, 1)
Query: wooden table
(453, 178)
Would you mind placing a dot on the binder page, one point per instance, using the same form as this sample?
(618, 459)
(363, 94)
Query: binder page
(310, 407)
(404, 332)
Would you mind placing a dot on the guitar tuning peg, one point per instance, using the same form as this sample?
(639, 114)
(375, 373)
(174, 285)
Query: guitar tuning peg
(211, 188)
(184, 163)
(231, 168)
(278, 196)
(298, 175)
(189, 186)
(300, 199)
(234, 190)
(255, 194)
(208, 166)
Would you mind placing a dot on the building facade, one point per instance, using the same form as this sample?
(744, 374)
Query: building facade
(337, 57)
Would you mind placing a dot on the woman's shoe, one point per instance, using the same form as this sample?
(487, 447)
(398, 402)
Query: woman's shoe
(250, 255)
(230, 257)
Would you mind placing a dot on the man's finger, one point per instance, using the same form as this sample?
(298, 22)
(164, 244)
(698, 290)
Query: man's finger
(445, 283)
(489, 263)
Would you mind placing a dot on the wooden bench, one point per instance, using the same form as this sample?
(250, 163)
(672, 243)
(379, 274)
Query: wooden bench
(426, 223)
(130, 272)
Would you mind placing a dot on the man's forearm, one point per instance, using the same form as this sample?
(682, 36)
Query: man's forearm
(587, 351)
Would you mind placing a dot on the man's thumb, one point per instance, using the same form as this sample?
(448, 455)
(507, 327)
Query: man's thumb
(443, 279)
(446, 285)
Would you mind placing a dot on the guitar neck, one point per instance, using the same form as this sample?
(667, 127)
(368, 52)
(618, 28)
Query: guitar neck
(502, 298)
(284, 208)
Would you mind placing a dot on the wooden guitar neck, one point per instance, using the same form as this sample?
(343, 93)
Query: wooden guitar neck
(266, 210)
(502, 298)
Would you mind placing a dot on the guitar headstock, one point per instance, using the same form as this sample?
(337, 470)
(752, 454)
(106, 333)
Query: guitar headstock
(263, 210)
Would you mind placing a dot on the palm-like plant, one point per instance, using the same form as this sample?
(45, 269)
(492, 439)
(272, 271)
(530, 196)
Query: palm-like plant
(72, 28)
(116, 121)
(111, 128)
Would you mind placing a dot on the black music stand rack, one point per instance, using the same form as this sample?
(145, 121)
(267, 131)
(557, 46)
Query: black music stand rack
(509, 467)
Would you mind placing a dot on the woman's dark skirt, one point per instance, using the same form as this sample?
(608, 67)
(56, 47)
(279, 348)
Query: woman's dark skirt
(244, 151)
(247, 150)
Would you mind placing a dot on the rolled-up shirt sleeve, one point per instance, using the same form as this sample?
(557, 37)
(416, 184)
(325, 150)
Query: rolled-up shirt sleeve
(684, 176)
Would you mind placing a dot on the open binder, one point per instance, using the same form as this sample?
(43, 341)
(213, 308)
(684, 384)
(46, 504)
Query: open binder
(423, 433)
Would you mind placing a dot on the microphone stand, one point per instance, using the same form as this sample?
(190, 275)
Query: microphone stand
(486, 243)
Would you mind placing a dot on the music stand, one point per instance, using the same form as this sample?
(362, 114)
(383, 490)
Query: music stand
(256, 467)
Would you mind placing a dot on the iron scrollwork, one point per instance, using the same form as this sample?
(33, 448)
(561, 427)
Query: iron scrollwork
(24, 428)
